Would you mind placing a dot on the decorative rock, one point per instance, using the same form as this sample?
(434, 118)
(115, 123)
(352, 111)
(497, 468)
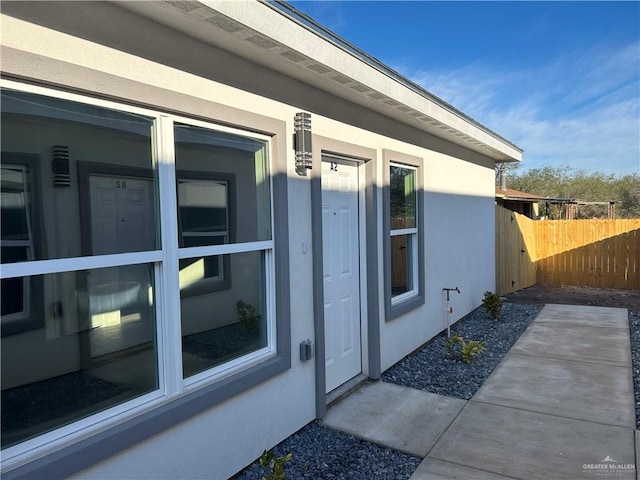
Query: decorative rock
(453, 378)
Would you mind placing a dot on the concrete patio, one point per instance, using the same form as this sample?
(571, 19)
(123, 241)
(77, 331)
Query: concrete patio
(558, 406)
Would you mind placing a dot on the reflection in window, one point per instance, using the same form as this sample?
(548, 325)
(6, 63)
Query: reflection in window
(74, 342)
(223, 198)
(403, 197)
(16, 241)
(99, 351)
(78, 342)
(404, 232)
(105, 211)
(219, 327)
(203, 208)
(401, 260)
(212, 157)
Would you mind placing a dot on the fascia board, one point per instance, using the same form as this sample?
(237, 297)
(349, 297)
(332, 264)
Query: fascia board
(272, 25)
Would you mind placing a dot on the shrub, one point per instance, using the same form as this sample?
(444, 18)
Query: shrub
(492, 304)
(460, 349)
(274, 466)
(470, 350)
(248, 316)
(450, 345)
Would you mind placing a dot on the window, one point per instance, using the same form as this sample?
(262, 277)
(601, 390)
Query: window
(403, 231)
(225, 242)
(404, 257)
(79, 335)
(87, 260)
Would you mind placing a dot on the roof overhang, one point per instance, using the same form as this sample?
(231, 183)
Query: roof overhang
(267, 35)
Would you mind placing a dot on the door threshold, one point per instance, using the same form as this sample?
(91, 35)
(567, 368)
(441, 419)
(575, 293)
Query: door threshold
(345, 389)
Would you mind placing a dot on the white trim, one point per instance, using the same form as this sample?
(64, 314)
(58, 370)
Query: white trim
(228, 248)
(48, 442)
(169, 326)
(87, 100)
(362, 251)
(270, 297)
(412, 236)
(62, 265)
(227, 369)
(404, 296)
(403, 165)
(403, 231)
(396, 299)
(211, 125)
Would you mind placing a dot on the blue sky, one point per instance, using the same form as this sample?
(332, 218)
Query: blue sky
(559, 79)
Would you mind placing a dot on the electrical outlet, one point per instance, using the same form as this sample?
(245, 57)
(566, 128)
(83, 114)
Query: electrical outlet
(306, 350)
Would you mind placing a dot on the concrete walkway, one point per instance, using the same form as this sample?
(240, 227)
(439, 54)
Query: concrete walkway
(558, 406)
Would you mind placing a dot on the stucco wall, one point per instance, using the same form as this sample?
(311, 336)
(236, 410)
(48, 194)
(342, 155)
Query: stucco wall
(459, 251)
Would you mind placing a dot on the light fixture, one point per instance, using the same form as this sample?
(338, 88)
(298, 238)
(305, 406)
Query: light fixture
(302, 142)
(60, 166)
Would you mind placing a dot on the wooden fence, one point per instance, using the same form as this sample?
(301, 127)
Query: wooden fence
(515, 251)
(595, 253)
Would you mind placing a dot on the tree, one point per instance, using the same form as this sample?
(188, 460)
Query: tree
(567, 182)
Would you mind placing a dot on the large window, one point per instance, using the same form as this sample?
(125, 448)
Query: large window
(79, 334)
(404, 275)
(98, 271)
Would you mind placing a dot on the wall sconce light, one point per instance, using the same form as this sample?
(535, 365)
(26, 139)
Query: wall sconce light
(60, 166)
(302, 142)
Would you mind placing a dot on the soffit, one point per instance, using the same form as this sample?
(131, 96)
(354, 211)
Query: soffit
(262, 35)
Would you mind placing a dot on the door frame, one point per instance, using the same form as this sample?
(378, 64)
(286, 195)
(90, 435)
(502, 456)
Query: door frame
(368, 259)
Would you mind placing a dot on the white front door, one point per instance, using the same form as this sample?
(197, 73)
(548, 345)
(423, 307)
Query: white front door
(122, 220)
(340, 251)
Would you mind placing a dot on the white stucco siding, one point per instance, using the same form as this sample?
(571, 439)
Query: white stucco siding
(459, 251)
(221, 441)
(458, 238)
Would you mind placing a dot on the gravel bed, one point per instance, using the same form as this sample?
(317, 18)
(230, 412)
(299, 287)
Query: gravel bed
(634, 329)
(431, 370)
(319, 452)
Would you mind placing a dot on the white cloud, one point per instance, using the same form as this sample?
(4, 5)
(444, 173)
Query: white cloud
(582, 110)
(329, 13)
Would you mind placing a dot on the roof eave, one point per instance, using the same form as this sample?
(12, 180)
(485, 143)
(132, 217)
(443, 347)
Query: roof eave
(267, 35)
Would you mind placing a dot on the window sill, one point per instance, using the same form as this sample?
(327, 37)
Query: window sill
(402, 305)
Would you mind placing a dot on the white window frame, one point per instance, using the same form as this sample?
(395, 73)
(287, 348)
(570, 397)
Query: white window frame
(413, 232)
(167, 297)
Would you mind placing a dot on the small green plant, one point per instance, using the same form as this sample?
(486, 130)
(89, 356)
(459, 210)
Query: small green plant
(273, 466)
(460, 349)
(492, 304)
(451, 343)
(247, 315)
(470, 350)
